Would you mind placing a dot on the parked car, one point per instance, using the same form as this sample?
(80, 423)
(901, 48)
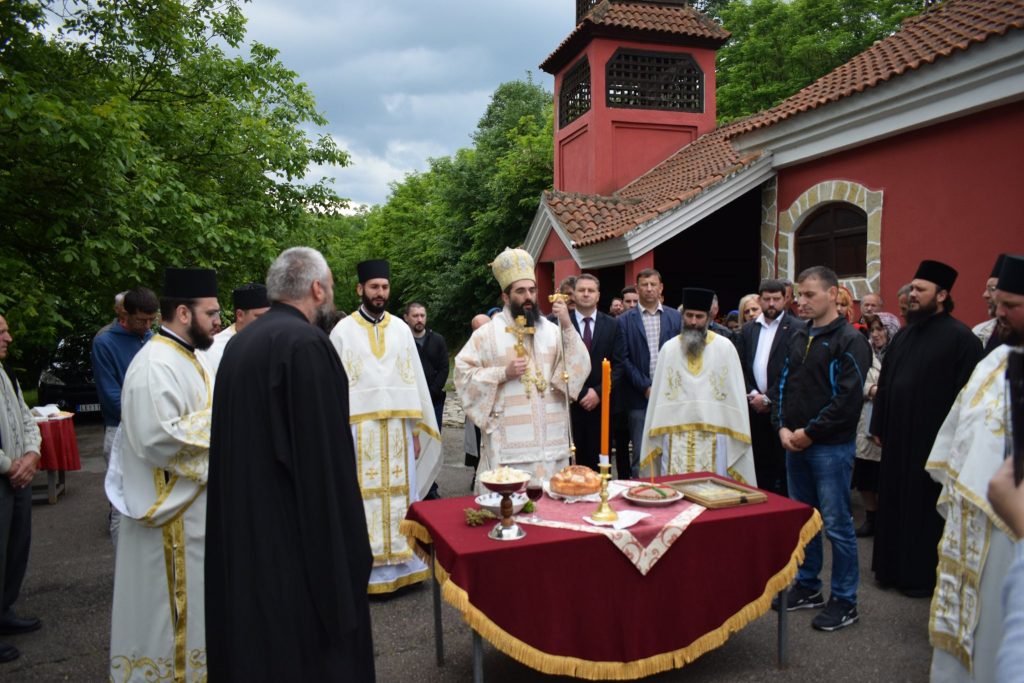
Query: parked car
(67, 379)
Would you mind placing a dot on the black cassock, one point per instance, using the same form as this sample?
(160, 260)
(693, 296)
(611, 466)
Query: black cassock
(924, 369)
(287, 554)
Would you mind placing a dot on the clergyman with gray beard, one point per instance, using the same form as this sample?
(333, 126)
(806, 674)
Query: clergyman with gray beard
(697, 419)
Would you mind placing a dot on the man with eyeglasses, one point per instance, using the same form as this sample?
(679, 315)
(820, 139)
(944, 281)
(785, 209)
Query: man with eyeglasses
(987, 331)
(112, 352)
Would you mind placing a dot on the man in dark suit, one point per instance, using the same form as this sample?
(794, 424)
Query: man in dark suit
(762, 345)
(642, 332)
(600, 335)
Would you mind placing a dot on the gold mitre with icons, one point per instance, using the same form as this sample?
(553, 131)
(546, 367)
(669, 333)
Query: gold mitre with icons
(512, 265)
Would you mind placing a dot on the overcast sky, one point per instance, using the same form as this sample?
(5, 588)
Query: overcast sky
(401, 81)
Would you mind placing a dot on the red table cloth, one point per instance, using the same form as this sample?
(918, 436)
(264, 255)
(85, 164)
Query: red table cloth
(60, 447)
(570, 603)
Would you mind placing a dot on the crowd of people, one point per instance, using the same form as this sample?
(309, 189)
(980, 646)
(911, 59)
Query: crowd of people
(257, 474)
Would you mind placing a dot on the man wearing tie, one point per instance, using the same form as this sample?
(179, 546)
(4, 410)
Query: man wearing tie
(762, 344)
(600, 335)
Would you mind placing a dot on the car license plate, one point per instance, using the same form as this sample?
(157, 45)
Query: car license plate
(88, 408)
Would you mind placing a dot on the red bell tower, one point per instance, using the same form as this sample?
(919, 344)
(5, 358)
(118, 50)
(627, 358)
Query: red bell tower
(634, 82)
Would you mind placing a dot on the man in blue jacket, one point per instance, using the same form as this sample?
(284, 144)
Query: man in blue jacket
(642, 331)
(112, 353)
(816, 408)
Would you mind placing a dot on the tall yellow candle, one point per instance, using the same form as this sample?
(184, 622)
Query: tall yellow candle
(606, 395)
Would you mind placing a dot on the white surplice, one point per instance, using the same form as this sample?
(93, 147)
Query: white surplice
(157, 480)
(389, 404)
(976, 548)
(521, 425)
(697, 419)
(213, 354)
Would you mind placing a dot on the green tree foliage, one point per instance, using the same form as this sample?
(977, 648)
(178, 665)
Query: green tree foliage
(440, 228)
(131, 140)
(780, 46)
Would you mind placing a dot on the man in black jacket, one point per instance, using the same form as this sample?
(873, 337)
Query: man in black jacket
(817, 405)
(763, 345)
(433, 355)
(600, 335)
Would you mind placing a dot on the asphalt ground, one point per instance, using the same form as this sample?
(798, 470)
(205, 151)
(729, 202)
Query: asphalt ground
(70, 583)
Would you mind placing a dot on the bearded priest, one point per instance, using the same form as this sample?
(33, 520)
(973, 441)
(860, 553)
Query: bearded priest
(157, 481)
(697, 419)
(398, 443)
(510, 375)
(977, 546)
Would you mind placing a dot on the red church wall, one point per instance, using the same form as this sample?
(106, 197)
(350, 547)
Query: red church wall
(951, 192)
(574, 161)
(642, 262)
(554, 264)
(606, 148)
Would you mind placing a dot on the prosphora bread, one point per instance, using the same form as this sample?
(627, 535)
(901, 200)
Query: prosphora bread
(575, 480)
(652, 492)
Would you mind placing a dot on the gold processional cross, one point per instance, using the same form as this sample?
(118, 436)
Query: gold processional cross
(530, 377)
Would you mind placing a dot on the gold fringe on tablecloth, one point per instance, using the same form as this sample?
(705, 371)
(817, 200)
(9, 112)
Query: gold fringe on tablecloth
(582, 668)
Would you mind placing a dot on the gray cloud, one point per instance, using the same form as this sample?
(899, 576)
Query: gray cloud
(401, 81)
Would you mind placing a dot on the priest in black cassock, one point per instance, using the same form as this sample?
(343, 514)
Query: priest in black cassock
(288, 558)
(924, 369)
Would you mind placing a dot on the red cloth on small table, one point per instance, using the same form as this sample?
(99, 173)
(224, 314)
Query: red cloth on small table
(570, 603)
(60, 447)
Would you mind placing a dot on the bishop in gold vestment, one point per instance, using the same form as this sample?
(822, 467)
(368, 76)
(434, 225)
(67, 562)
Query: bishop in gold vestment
(510, 376)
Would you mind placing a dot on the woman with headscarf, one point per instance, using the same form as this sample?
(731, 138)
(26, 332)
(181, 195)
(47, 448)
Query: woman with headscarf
(882, 328)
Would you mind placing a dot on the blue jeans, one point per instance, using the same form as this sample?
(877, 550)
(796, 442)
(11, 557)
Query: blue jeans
(820, 476)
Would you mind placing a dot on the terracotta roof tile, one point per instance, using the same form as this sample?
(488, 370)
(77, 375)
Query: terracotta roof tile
(951, 26)
(643, 20)
(939, 32)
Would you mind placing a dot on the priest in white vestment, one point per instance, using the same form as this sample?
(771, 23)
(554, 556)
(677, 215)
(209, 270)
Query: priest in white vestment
(157, 481)
(510, 376)
(249, 302)
(976, 548)
(697, 419)
(397, 440)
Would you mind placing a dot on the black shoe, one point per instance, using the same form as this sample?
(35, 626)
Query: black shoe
(837, 614)
(8, 653)
(13, 625)
(800, 598)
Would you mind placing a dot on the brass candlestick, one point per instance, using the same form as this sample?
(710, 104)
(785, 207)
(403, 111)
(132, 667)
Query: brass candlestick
(604, 512)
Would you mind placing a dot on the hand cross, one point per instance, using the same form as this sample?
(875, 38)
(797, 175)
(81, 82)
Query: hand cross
(520, 330)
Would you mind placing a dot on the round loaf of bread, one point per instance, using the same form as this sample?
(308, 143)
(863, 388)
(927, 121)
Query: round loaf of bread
(575, 480)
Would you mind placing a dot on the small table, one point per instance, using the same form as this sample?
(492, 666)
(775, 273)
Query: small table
(570, 603)
(59, 453)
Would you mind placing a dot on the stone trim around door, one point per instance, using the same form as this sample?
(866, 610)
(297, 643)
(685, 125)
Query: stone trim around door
(790, 220)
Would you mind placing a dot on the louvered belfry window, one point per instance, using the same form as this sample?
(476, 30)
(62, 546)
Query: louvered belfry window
(583, 8)
(574, 96)
(638, 79)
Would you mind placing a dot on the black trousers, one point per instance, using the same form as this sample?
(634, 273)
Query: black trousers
(15, 539)
(586, 434)
(620, 429)
(769, 455)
